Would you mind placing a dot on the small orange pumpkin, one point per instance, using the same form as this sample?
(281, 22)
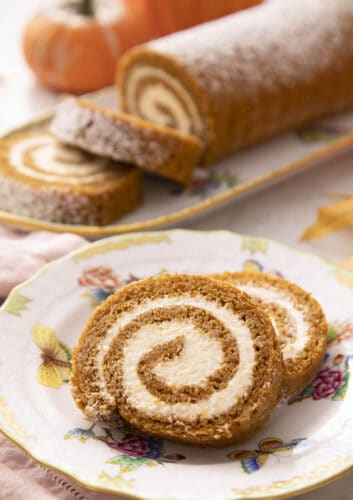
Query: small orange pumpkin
(168, 16)
(74, 45)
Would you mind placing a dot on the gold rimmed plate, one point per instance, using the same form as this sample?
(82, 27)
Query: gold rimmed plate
(252, 169)
(308, 442)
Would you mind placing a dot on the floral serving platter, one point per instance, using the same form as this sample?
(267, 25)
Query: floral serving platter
(252, 169)
(308, 442)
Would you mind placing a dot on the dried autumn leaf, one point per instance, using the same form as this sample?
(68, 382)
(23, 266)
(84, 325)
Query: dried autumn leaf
(331, 218)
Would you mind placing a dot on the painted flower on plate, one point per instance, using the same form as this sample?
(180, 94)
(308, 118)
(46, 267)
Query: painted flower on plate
(326, 383)
(337, 360)
(136, 450)
(339, 332)
(99, 277)
(331, 382)
(205, 182)
(254, 266)
(102, 282)
(138, 446)
(81, 434)
(320, 133)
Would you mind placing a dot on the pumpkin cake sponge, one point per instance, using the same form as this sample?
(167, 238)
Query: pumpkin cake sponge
(181, 357)
(153, 148)
(297, 319)
(246, 77)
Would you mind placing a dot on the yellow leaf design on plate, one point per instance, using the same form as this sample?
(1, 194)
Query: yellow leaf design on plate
(254, 245)
(9, 422)
(121, 244)
(117, 481)
(49, 375)
(251, 266)
(16, 303)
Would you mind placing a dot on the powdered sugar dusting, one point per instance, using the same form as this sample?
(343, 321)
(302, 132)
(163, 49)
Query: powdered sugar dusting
(123, 138)
(103, 134)
(280, 42)
(42, 179)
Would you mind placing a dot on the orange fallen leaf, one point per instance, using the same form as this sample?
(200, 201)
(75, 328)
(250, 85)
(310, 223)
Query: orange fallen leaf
(331, 218)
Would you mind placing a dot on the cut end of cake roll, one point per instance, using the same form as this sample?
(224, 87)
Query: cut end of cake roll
(44, 179)
(153, 86)
(116, 135)
(298, 320)
(180, 357)
(246, 77)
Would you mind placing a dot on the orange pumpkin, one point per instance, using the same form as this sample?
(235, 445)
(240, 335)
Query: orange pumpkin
(174, 15)
(74, 45)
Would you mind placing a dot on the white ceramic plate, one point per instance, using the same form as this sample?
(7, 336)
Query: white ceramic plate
(247, 171)
(306, 443)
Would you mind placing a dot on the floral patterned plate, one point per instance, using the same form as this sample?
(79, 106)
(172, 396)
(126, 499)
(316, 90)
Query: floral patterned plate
(308, 441)
(252, 169)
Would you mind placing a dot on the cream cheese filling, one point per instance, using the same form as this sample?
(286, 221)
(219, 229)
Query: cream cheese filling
(148, 337)
(56, 163)
(181, 370)
(187, 120)
(293, 347)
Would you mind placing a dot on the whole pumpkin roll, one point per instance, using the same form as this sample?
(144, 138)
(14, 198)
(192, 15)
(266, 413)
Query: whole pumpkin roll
(298, 320)
(245, 77)
(181, 357)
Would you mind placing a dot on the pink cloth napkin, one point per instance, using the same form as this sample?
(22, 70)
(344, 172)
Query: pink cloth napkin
(21, 255)
(22, 479)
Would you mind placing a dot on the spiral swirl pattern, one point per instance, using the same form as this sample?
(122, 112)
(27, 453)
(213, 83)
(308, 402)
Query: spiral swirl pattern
(298, 321)
(42, 178)
(155, 95)
(42, 157)
(179, 356)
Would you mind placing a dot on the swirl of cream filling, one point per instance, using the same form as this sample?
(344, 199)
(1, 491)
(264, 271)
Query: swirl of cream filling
(43, 158)
(155, 95)
(199, 357)
(295, 342)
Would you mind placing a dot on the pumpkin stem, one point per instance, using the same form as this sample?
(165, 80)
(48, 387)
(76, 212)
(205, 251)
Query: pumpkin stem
(86, 8)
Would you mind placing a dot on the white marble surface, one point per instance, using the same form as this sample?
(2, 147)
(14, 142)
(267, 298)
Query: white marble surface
(282, 212)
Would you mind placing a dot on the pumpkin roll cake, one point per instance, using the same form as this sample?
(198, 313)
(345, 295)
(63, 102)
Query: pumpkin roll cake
(153, 148)
(298, 320)
(248, 76)
(180, 357)
(43, 179)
